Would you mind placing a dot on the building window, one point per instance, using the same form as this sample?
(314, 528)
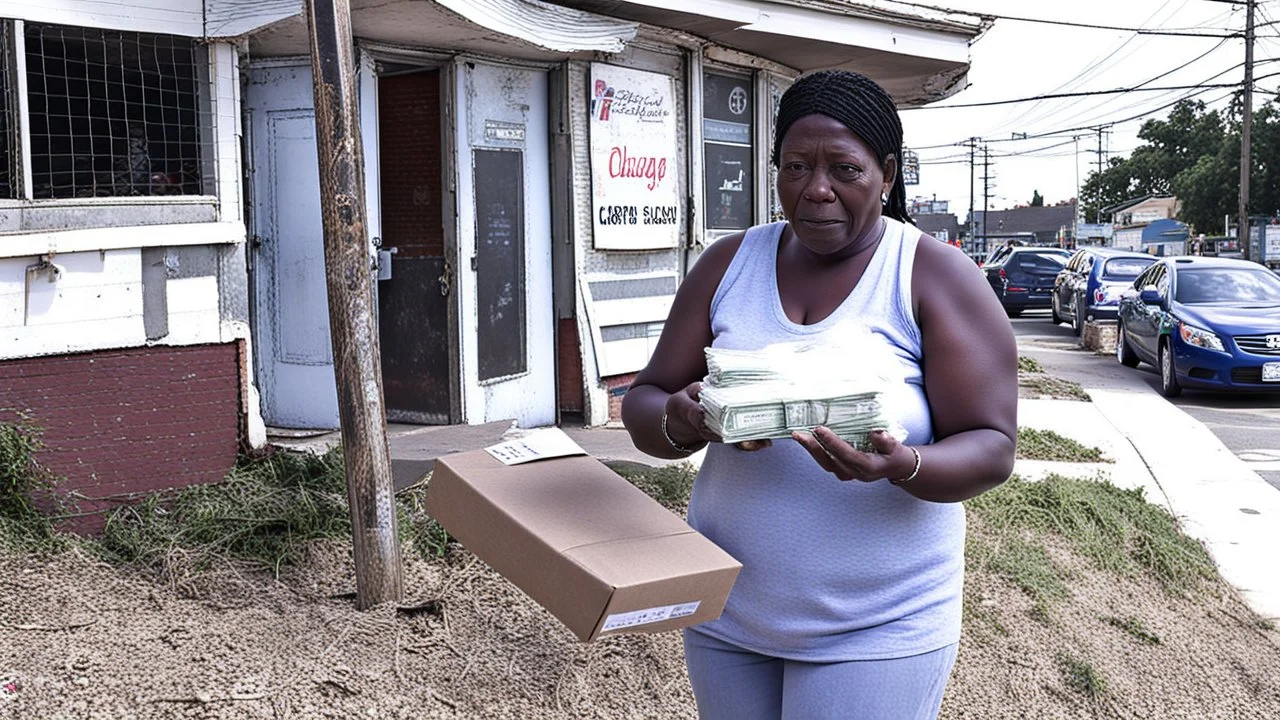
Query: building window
(728, 130)
(114, 114)
(11, 168)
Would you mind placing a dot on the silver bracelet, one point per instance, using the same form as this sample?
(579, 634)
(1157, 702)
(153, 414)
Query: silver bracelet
(674, 445)
(914, 472)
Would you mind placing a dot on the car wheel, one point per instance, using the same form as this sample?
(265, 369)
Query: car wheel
(1053, 310)
(1124, 353)
(1169, 386)
(1077, 319)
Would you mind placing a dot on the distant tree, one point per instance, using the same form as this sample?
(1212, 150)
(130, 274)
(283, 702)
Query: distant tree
(1194, 154)
(1037, 200)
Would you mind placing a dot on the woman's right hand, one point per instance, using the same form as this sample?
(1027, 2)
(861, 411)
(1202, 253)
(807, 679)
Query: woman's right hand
(686, 421)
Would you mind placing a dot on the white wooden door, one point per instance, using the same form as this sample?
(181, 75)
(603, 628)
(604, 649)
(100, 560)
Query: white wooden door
(504, 239)
(291, 309)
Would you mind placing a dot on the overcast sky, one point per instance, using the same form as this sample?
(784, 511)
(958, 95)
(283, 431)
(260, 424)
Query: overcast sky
(1017, 59)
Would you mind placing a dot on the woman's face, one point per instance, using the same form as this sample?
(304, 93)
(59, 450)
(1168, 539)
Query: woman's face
(830, 184)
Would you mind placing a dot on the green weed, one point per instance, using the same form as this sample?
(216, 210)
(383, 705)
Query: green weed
(1048, 445)
(1029, 364)
(1039, 384)
(425, 534)
(1025, 562)
(1116, 529)
(1135, 627)
(669, 484)
(266, 510)
(22, 481)
(1082, 676)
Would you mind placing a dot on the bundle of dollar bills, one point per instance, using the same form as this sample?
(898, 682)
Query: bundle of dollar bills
(772, 392)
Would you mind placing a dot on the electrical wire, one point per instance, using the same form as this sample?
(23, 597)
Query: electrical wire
(1187, 32)
(1094, 67)
(1087, 93)
(1094, 127)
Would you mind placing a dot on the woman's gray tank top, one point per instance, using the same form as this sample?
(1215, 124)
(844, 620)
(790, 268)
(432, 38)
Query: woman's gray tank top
(832, 571)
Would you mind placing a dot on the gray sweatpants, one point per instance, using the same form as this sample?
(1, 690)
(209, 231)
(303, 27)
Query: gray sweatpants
(731, 683)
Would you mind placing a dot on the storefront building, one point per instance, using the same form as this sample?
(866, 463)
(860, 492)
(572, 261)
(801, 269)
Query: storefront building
(539, 177)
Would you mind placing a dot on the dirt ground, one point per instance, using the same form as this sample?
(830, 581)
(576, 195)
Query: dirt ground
(84, 639)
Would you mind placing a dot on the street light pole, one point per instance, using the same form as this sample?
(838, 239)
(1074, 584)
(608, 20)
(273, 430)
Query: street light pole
(349, 279)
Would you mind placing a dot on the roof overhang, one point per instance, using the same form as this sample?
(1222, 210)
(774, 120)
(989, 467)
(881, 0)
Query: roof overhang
(524, 29)
(919, 56)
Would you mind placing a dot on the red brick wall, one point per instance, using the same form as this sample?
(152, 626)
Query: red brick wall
(126, 422)
(570, 382)
(617, 385)
(409, 142)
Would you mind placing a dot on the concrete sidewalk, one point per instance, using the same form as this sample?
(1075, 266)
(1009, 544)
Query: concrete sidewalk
(1180, 464)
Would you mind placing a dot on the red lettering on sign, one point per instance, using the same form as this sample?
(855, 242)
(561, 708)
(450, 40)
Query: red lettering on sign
(624, 165)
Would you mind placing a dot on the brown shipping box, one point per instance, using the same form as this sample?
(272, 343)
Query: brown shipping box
(587, 545)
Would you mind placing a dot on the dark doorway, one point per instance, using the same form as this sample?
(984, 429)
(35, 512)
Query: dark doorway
(413, 303)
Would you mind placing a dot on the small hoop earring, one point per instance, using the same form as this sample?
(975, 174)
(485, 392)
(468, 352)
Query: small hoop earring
(884, 198)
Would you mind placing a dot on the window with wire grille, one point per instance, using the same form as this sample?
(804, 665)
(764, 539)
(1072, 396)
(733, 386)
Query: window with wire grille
(115, 114)
(11, 168)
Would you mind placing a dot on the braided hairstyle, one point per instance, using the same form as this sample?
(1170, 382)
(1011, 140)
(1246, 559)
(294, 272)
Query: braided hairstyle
(859, 104)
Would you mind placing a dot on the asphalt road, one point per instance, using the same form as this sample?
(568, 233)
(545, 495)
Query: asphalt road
(1248, 424)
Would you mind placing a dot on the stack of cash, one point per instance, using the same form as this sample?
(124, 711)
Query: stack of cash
(770, 393)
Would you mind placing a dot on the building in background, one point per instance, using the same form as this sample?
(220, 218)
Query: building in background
(539, 177)
(927, 206)
(1147, 224)
(943, 226)
(1048, 226)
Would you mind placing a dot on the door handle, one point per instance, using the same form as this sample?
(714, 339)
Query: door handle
(446, 280)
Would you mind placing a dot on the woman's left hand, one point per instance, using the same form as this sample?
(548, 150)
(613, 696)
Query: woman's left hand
(891, 458)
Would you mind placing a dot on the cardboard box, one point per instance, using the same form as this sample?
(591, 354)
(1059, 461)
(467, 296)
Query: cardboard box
(584, 543)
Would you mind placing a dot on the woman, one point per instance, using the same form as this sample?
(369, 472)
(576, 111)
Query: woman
(848, 604)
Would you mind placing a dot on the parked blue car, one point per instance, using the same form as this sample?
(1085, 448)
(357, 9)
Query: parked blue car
(1089, 287)
(1208, 323)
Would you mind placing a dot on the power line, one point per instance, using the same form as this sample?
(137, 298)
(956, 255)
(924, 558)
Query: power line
(1086, 93)
(1083, 111)
(1050, 110)
(1067, 23)
(1093, 127)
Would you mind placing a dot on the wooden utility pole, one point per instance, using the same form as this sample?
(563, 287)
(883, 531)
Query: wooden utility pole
(1246, 136)
(986, 195)
(973, 221)
(349, 278)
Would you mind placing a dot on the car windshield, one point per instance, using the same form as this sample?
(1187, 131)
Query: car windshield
(1047, 261)
(1228, 285)
(1125, 268)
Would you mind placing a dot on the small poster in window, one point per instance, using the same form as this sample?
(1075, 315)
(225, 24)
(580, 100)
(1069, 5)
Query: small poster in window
(635, 171)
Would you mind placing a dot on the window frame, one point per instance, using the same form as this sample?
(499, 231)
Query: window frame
(753, 79)
(27, 215)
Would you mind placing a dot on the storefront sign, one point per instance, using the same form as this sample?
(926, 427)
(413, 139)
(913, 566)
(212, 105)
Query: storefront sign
(1271, 250)
(504, 131)
(635, 171)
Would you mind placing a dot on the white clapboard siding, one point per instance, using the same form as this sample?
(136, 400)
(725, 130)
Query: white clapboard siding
(231, 18)
(643, 316)
(193, 311)
(96, 303)
(633, 311)
(171, 17)
(227, 132)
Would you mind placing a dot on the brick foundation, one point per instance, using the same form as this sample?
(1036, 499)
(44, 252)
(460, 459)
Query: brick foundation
(617, 385)
(569, 381)
(120, 424)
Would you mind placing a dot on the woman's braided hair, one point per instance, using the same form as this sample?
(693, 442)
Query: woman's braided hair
(862, 106)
